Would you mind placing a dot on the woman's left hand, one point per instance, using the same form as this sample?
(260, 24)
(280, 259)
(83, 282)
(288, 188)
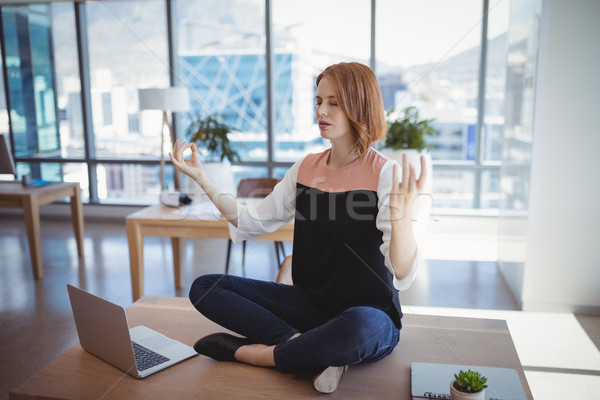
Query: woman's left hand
(404, 193)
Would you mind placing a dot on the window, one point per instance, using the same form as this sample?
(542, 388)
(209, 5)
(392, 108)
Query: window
(31, 89)
(308, 37)
(68, 83)
(221, 59)
(495, 81)
(127, 51)
(428, 55)
(4, 126)
(127, 43)
(518, 125)
(129, 183)
(55, 171)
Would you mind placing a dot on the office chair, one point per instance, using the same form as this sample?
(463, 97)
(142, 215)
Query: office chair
(254, 188)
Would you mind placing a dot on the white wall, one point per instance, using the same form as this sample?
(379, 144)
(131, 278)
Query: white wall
(562, 268)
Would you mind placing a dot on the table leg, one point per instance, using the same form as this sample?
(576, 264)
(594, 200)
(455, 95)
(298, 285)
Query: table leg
(176, 245)
(136, 258)
(31, 210)
(77, 216)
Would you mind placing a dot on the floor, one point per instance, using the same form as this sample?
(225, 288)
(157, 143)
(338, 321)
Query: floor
(559, 352)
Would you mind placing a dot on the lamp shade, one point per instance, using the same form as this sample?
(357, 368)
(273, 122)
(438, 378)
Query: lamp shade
(167, 99)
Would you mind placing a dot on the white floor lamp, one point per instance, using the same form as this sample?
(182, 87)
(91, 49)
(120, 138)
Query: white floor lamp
(173, 99)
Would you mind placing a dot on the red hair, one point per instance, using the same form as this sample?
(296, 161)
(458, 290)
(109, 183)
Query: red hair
(359, 96)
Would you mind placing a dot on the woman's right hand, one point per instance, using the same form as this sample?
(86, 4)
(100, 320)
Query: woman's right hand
(192, 167)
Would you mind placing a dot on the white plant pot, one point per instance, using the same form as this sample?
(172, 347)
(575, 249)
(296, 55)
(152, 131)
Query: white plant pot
(413, 157)
(458, 395)
(219, 173)
(424, 206)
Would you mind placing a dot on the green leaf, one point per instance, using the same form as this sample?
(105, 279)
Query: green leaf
(470, 381)
(211, 133)
(408, 131)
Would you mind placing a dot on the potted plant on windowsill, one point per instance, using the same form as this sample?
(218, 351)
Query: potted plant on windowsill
(468, 385)
(210, 135)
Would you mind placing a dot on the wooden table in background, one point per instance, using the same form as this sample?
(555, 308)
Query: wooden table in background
(177, 223)
(29, 199)
(77, 374)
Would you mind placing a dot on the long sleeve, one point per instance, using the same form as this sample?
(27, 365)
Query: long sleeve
(272, 213)
(384, 225)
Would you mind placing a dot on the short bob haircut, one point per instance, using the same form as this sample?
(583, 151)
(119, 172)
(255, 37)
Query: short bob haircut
(359, 97)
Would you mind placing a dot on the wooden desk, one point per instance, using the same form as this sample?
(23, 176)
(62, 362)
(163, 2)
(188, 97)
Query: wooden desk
(14, 195)
(78, 375)
(176, 224)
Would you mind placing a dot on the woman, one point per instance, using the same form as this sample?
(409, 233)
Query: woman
(353, 245)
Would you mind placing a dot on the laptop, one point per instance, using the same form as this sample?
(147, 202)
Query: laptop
(103, 331)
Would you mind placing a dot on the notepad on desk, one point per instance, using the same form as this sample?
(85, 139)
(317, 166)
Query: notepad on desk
(432, 381)
(38, 182)
(28, 180)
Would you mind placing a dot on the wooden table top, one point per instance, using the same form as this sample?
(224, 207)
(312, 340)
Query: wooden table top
(186, 222)
(16, 188)
(79, 375)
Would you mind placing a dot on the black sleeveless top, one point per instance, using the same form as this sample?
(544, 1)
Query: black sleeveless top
(336, 252)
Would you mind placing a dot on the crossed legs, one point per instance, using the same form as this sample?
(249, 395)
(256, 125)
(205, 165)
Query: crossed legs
(286, 330)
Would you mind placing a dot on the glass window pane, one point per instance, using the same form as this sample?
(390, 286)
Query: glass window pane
(130, 183)
(453, 188)
(221, 59)
(56, 172)
(490, 189)
(225, 176)
(68, 84)
(3, 107)
(495, 81)
(309, 36)
(280, 172)
(520, 82)
(43, 80)
(428, 57)
(240, 172)
(515, 183)
(29, 63)
(493, 135)
(128, 51)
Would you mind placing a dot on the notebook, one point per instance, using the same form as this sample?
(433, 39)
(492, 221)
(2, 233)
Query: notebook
(103, 331)
(432, 381)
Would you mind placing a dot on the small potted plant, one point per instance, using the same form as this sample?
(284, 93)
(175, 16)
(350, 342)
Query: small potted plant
(406, 135)
(408, 131)
(210, 134)
(468, 385)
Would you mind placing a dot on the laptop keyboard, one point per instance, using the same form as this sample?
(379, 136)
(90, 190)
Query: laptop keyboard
(145, 358)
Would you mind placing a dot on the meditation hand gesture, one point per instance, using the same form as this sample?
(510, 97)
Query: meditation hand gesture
(403, 194)
(191, 167)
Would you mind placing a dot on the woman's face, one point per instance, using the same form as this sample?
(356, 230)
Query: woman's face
(333, 123)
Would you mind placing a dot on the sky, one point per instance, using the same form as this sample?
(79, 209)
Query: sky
(409, 32)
